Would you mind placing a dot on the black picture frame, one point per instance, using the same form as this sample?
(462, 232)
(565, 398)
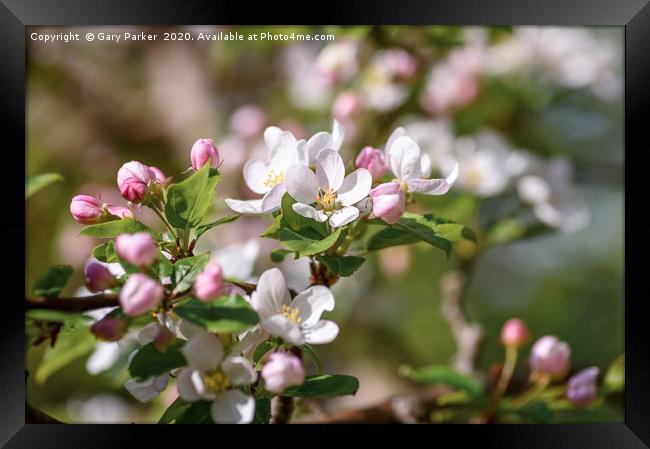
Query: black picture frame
(632, 15)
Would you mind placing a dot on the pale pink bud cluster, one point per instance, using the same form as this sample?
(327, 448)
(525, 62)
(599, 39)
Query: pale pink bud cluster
(85, 209)
(140, 294)
(138, 249)
(282, 371)
(133, 180)
(98, 277)
(372, 160)
(209, 283)
(388, 202)
(204, 151)
(109, 329)
(514, 333)
(582, 388)
(551, 356)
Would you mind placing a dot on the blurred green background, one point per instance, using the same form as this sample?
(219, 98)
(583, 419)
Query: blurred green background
(91, 106)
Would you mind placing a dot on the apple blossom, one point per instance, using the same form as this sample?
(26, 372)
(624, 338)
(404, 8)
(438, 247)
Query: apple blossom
(85, 209)
(347, 106)
(140, 294)
(297, 321)
(514, 333)
(282, 370)
(209, 283)
(133, 180)
(204, 151)
(138, 249)
(148, 389)
(109, 329)
(211, 376)
(551, 356)
(372, 160)
(582, 388)
(98, 277)
(333, 194)
(388, 202)
(323, 139)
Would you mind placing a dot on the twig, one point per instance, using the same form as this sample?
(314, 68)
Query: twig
(80, 304)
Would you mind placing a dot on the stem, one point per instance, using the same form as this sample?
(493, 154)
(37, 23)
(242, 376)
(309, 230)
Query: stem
(540, 385)
(72, 304)
(506, 373)
(158, 212)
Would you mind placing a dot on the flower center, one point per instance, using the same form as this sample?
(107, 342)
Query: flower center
(273, 179)
(473, 177)
(327, 199)
(291, 313)
(215, 382)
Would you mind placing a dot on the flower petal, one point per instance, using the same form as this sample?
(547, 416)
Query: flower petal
(271, 293)
(321, 333)
(203, 351)
(301, 183)
(308, 211)
(273, 198)
(233, 407)
(425, 166)
(311, 304)
(185, 386)
(338, 135)
(276, 139)
(330, 170)
(398, 132)
(104, 356)
(316, 143)
(255, 173)
(246, 207)
(239, 371)
(355, 187)
(344, 216)
(433, 186)
(280, 326)
(143, 391)
(404, 158)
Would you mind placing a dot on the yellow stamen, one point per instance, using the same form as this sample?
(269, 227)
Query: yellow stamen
(272, 179)
(291, 313)
(327, 199)
(215, 382)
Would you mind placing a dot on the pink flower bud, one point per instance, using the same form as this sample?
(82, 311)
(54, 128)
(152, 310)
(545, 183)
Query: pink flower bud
(282, 371)
(140, 294)
(133, 189)
(208, 284)
(85, 209)
(514, 333)
(388, 202)
(347, 106)
(582, 388)
(109, 329)
(159, 175)
(98, 277)
(248, 121)
(550, 355)
(372, 159)
(119, 211)
(138, 249)
(203, 151)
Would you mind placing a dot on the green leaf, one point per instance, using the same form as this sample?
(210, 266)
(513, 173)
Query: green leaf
(391, 237)
(223, 220)
(68, 347)
(56, 316)
(52, 283)
(324, 386)
(614, 380)
(114, 228)
(342, 266)
(186, 270)
(261, 350)
(303, 225)
(310, 353)
(175, 409)
(163, 267)
(149, 361)
(226, 314)
(272, 231)
(197, 413)
(262, 411)
(278, 255)
(443, 375)
(506, 230)
(305, 246)
(35, 183)
(189, 200)
(536, 412)
(105, 252)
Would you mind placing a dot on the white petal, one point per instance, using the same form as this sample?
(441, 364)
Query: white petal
(271, 293)
(273, 198)
(203, 351)
(398, 132)
(404, 158)
(308, 211)
(187, 330)
(277, 140)
(344, 216)
(425, 166)
(330, 170)
(321, 333)
(233, 407)
(246, 207)
(196, 377)
(301, 183)
(316, 143)
(239, 371)
(311, 304)
(280, 326)
(103, 357)
(160, 382)
(303, 153)
(143, 391)
(255, 173)
(185, 386)
(356, 186)
(147, 333)
(433, 186)
(338, 135)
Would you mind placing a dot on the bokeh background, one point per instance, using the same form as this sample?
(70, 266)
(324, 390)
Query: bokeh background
(91, 106)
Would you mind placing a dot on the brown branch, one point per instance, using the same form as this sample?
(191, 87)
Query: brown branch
(72, 304)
